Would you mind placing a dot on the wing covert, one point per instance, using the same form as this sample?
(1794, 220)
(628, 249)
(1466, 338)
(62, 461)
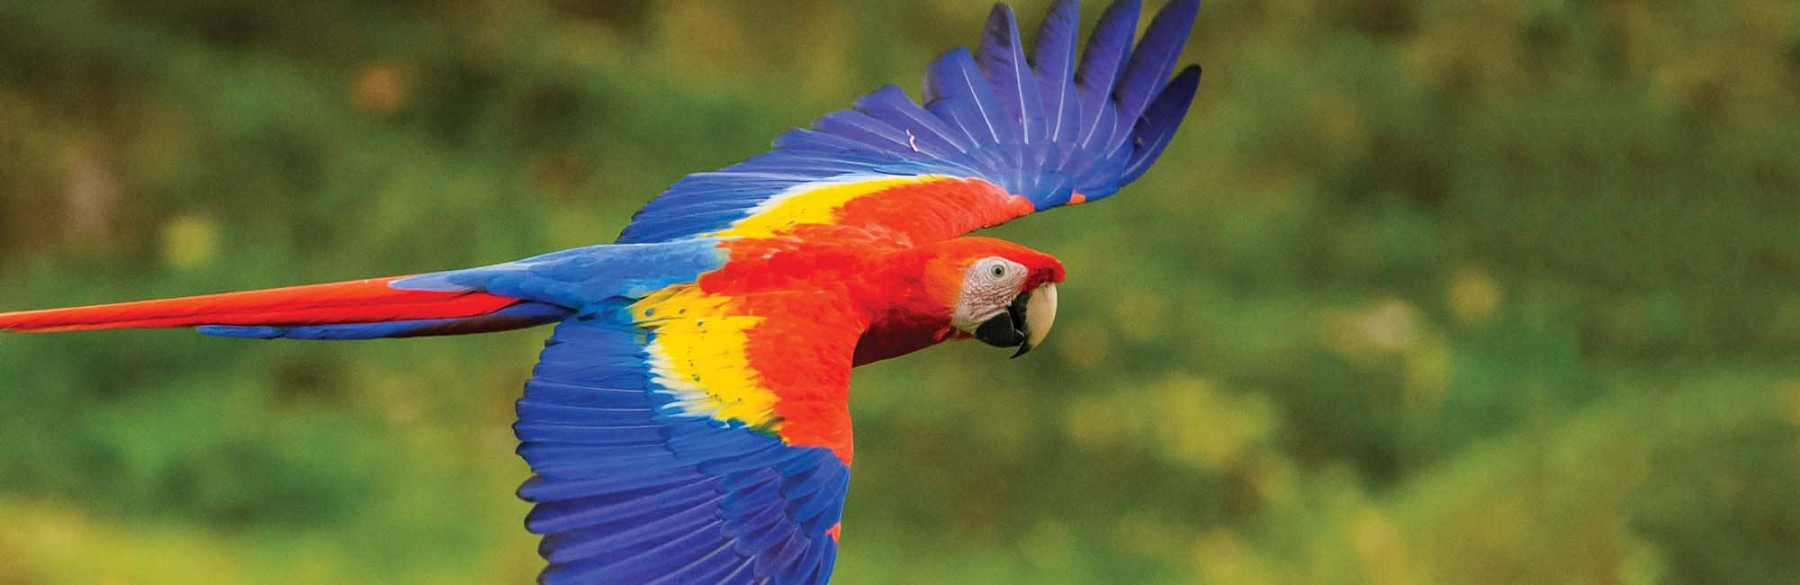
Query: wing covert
(998, 136)
(664, 453)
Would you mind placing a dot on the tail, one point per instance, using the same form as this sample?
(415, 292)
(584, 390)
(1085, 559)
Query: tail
(360, 309)
(534, 291)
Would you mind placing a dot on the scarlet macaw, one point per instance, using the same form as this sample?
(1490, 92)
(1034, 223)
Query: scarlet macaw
(688, 420)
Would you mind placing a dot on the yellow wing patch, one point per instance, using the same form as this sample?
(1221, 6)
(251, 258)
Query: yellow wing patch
(813, 204)
(699, 354)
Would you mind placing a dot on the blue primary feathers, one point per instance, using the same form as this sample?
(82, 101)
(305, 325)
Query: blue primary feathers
(1038, 126)
(1054, 61)
(1003, 63)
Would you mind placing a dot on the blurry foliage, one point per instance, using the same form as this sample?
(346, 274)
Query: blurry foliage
(1425, 292)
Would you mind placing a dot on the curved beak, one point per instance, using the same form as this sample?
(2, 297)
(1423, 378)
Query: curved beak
(1024, 323)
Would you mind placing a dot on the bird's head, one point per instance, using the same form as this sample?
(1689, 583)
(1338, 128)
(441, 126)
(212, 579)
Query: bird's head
(998, 292)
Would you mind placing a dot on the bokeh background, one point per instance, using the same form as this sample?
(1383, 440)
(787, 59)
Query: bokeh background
(1441, 291)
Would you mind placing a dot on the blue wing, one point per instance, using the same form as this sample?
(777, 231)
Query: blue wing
(632, 488)
(1036, 127)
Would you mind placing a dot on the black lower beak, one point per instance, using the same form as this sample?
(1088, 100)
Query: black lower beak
(1007, 329)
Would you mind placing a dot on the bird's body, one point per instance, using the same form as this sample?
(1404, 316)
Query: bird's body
(688, 420)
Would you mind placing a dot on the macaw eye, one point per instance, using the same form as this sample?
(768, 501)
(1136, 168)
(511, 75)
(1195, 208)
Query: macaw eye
(997, 271)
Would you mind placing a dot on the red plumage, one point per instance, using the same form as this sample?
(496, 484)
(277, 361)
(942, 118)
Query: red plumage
(357, 301)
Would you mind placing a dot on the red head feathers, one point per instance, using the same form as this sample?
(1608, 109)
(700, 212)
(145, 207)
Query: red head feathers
(950, 289)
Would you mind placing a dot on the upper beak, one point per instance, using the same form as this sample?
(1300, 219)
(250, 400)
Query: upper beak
(1025, 323)
(1040, 315)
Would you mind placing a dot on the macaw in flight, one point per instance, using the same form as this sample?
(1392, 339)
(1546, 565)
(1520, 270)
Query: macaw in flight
(688, 420)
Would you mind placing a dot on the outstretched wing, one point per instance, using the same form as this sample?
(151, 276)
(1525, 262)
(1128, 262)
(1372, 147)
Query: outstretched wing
(999, 136)
(692, 438)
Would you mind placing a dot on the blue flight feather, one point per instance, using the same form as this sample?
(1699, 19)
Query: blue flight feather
(956, 89)
(1103, 61)
(930, 136)
(1053, 62)
(1155, 56)
(1161, 119)
(863, 128)
(1003, 62)
(785, 556)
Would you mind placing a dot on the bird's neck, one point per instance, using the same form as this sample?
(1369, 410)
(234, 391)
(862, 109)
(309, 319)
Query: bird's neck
(905, 294)
(907, 302)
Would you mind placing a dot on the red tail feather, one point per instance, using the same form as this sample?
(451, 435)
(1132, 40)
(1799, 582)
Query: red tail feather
(359, 301)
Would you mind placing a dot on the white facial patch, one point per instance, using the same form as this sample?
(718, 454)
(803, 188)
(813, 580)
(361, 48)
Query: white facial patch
(989, 285)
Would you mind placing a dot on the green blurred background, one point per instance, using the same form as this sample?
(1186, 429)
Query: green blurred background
(1424, 292)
